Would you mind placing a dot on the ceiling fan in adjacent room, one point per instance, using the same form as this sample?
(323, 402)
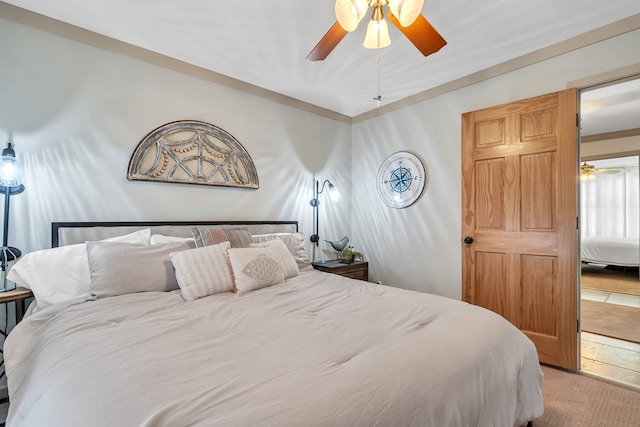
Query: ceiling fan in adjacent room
(587, 171)
(404, 14)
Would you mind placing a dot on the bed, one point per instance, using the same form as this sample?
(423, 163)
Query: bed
(313, 349)
(611, 251)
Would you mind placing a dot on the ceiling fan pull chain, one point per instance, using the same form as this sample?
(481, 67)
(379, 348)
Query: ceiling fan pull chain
(378, 98)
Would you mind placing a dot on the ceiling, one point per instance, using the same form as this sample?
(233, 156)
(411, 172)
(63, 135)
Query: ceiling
(264, 43)
(611, 108)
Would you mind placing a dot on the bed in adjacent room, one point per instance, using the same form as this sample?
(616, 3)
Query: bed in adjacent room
(148, 331)
(611, 251)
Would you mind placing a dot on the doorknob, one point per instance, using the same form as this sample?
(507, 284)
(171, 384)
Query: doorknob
(468, 240)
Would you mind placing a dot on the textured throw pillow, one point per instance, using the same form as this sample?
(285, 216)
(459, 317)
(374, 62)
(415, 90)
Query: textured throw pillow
(60, 274)
(123, 268)
(293, 241)
(255, 268)
(286, 260)
(202, 271)
(205, 236)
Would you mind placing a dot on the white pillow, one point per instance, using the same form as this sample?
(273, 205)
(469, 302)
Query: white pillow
(60, 274)
(287, 262)
(160, 239)
(255, 268)
(202, 271)
(294, 243)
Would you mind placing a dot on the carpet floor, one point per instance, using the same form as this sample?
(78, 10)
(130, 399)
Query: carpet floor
(611, 320)
(577, 400)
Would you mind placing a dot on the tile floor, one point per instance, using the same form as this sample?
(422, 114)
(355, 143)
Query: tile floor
(611, 297)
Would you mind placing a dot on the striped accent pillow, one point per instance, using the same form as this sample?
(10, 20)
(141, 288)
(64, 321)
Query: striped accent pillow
(202, 271)
(205, 236)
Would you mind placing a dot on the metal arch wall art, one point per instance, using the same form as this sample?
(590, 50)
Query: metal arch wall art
(192, 152)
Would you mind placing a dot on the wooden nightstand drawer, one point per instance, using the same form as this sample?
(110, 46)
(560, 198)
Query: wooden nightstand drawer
(356, 270)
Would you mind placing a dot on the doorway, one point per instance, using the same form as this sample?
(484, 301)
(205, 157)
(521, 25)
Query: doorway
(609, 223)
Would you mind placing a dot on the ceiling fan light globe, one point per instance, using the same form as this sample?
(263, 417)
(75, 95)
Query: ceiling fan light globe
(377, 35)
(407, 11)
(350, 12)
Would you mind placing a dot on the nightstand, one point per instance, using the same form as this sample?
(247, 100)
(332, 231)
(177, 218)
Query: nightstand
(17, 295)
(355, 270)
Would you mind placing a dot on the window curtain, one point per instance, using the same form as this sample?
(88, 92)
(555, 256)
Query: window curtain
(610, 205)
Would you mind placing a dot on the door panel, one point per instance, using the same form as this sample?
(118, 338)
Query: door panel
(519, 205)
(542, 280)
(538, 185)
(492, 270)
(489, 204)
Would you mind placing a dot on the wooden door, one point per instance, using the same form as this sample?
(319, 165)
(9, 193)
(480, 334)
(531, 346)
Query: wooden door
(519, 207)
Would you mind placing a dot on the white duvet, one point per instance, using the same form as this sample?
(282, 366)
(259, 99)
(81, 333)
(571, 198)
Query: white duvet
(319, 350)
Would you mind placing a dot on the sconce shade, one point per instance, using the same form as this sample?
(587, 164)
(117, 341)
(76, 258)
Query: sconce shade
(350, 12)
(406, 11)
(10, 169)
(334, 193)
(377, 35)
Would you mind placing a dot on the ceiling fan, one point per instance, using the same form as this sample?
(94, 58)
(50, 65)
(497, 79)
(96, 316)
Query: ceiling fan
(587, 171)
(404, 14)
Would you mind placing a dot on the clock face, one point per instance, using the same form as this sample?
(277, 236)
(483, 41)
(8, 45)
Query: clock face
(401, 179)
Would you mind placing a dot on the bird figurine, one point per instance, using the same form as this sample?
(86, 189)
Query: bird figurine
(338, 245)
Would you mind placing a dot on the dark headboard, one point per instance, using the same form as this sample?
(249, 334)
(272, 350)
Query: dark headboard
(66, 233)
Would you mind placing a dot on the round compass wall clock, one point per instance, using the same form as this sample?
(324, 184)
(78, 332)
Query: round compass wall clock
(401, 179)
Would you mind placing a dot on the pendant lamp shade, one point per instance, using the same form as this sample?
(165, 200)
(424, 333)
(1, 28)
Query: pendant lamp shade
(587, 176)
(406, 11)
(377, 35)
(350, 13)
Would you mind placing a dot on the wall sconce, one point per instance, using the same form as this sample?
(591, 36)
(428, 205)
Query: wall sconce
(335, 196)
(10, 184)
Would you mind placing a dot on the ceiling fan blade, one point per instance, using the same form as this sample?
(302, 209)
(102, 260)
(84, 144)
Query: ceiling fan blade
(327, 43)
(609, 170)
(421, 33)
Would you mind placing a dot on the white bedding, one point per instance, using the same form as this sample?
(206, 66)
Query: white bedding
(610, 251)
(318, 350)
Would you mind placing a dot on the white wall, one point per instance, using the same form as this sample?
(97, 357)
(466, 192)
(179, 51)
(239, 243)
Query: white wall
(76, 113)
(419, 247)
(607, 147)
